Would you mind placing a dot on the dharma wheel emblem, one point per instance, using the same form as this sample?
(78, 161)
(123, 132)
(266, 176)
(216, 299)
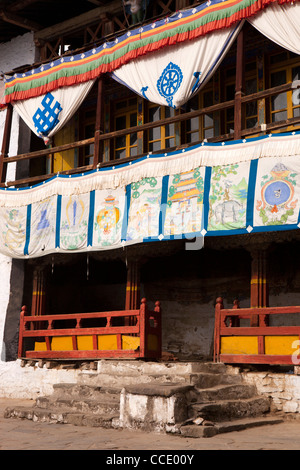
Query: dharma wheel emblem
(169, 82)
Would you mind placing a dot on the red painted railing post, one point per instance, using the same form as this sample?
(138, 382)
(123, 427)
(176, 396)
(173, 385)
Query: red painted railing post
(21, 329)
(157, 309)
(218, 307)
(143, 316)
(236, 320)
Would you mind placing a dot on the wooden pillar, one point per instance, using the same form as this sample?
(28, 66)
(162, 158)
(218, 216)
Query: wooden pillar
(239, 85)
(5, 142)
(98, 148)
(38, 291)
(132, 301)
(259, 286)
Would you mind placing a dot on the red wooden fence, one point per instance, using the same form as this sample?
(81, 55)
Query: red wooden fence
(92, 335)
(261, 344)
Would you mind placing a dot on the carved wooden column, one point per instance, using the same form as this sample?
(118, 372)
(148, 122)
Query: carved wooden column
(38, 303)
(132, 301)
(239, 85)
(259, 285)
(98, 148)
(5, 142)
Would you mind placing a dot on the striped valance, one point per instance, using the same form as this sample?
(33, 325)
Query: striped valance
(183, 26)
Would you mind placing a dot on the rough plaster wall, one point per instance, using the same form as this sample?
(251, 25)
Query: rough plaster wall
(187, 286)
(19, 51)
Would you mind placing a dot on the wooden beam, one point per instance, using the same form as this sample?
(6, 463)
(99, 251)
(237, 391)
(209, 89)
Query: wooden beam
(19, 5)
(38, 292)
(81, 21)
(95, 2)
(239, 85)
(259, 288)
(19, 21)
(5, 143)
(132, 298)
(98, 148)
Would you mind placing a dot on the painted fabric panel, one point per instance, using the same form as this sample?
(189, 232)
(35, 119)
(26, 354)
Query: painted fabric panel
(43, 227)
(108, 218)
(147, 200)
(184, 208)
(47, 114)
(144, 210)
(74, 221)
(228, 197)
(277, 193)
(178, 28)
(172, 75)
(13, 225)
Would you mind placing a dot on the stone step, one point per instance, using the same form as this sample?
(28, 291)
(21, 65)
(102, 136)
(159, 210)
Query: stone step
(207, 380)
(87, 405)
(230, 392)
(127, 367)
(121, 381)
(224, 410)
(85, 391)
(120, 373)
(63, 416)
(228, 426)
(199, 379)
(171, 393)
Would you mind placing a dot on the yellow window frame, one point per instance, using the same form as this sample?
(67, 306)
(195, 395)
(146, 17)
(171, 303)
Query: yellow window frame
(164, 138)
(286, 66)
(126, 112)
(200, 130)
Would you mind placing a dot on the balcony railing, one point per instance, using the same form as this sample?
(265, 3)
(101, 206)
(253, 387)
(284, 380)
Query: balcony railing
(118, 334)
(235, 343)
(143, 128)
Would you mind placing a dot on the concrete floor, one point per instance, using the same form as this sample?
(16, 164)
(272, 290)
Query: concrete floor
(17, 434)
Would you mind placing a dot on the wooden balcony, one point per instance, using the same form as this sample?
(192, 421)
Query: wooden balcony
(100, 137)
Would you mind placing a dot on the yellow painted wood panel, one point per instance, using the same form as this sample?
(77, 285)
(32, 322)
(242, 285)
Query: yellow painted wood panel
(40, 346)
(239, 345)
(130, 342)
(281, 345)
(85, 343)
(107, 342)
(61, 343)
(63, 161)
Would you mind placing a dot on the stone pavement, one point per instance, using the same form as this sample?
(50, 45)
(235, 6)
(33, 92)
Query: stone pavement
(17, 434)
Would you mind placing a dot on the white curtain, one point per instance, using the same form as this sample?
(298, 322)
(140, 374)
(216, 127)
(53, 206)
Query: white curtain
(281, 24)
(47, 114)
(172, 75)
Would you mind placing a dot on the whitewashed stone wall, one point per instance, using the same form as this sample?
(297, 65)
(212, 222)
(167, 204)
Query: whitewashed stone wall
(17, 52)
(282, 388)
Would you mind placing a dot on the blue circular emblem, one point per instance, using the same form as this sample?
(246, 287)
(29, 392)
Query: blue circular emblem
(277, 192)
(169, 82)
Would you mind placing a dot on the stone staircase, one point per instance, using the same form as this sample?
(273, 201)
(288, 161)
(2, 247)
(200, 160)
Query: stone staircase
(191, 399)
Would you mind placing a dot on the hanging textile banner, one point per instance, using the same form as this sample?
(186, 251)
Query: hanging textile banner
(194, 193)
(280, 23)
(171, 76)
(47, 114)
(228, 197)
(183, 26)
(2, 94)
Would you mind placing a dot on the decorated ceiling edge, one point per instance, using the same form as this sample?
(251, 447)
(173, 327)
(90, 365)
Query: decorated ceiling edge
(182, 26)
